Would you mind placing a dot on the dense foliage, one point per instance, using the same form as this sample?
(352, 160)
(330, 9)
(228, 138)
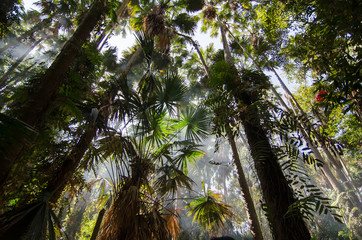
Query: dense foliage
(172, 139)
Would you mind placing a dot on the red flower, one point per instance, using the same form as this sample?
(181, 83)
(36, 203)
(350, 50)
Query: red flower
(319, 96)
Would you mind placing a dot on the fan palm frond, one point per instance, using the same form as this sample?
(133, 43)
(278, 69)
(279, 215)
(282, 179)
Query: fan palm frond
(188, 152)
(197, 123)
(209, 211)
(170, 93)
(171, 179)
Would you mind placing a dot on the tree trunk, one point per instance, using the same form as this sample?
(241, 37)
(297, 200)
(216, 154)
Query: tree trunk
(72, 161)
(330, 178)
(197, 48)
(74, 222)
(108, 30)
(57, 184)
(276, 191)
(248, 201)
(98, 224)
(39, 102)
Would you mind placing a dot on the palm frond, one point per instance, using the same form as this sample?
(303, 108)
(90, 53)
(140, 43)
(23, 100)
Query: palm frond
(209, 211)
(170, 93)
(36, 221)
(171, 179)
(196, 121)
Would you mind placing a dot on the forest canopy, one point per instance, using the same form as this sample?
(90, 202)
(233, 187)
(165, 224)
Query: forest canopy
(173, 138)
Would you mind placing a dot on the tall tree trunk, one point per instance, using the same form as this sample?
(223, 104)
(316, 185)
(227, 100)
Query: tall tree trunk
(248, 201)
(72, 161)
(39, 102)
(197, 48)
(277, 193)
(329, 177)
(98, 224)
(65, 172)
(108, 30)
(74, 221)
(4, 78)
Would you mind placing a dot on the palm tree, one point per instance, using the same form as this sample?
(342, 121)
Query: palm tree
(150, 146)
(209, 211)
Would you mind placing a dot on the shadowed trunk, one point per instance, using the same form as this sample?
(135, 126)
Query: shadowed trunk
(248, 201)
(277, 193)
(98, 224)
(57, 184)
(38, 103)
(328, 175)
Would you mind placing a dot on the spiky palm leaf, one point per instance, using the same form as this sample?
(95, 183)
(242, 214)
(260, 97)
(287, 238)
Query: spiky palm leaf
(171, 179)
(187, 152)
(170, 93)
(196, 121)
(37, 216)
(209, 211)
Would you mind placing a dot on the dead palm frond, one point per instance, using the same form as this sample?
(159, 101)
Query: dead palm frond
(209, 12)
(154, 23)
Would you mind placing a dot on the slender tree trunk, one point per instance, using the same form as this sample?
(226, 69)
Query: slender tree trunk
(108, 30)
(197, 48)
(70, 164)
(74, 222)
(248, 201)
(39, 102)
(276, 191)
(4, 78)
(98, 224)
(72, 161)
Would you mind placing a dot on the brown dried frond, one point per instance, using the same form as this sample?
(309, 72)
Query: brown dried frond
(120, 220)
(154, 22)
(234, 5)
(164, 39)
(173, 226)
(209, 12)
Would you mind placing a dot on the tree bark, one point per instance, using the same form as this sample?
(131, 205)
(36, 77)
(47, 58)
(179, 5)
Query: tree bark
(72, 161)
(57, 184)
(330, 178)
(98, 224)
(197, 48)
(39, 102)
(277, 193)
(248, 201)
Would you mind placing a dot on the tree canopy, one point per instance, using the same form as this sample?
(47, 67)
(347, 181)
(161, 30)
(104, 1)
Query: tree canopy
(173, 138)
